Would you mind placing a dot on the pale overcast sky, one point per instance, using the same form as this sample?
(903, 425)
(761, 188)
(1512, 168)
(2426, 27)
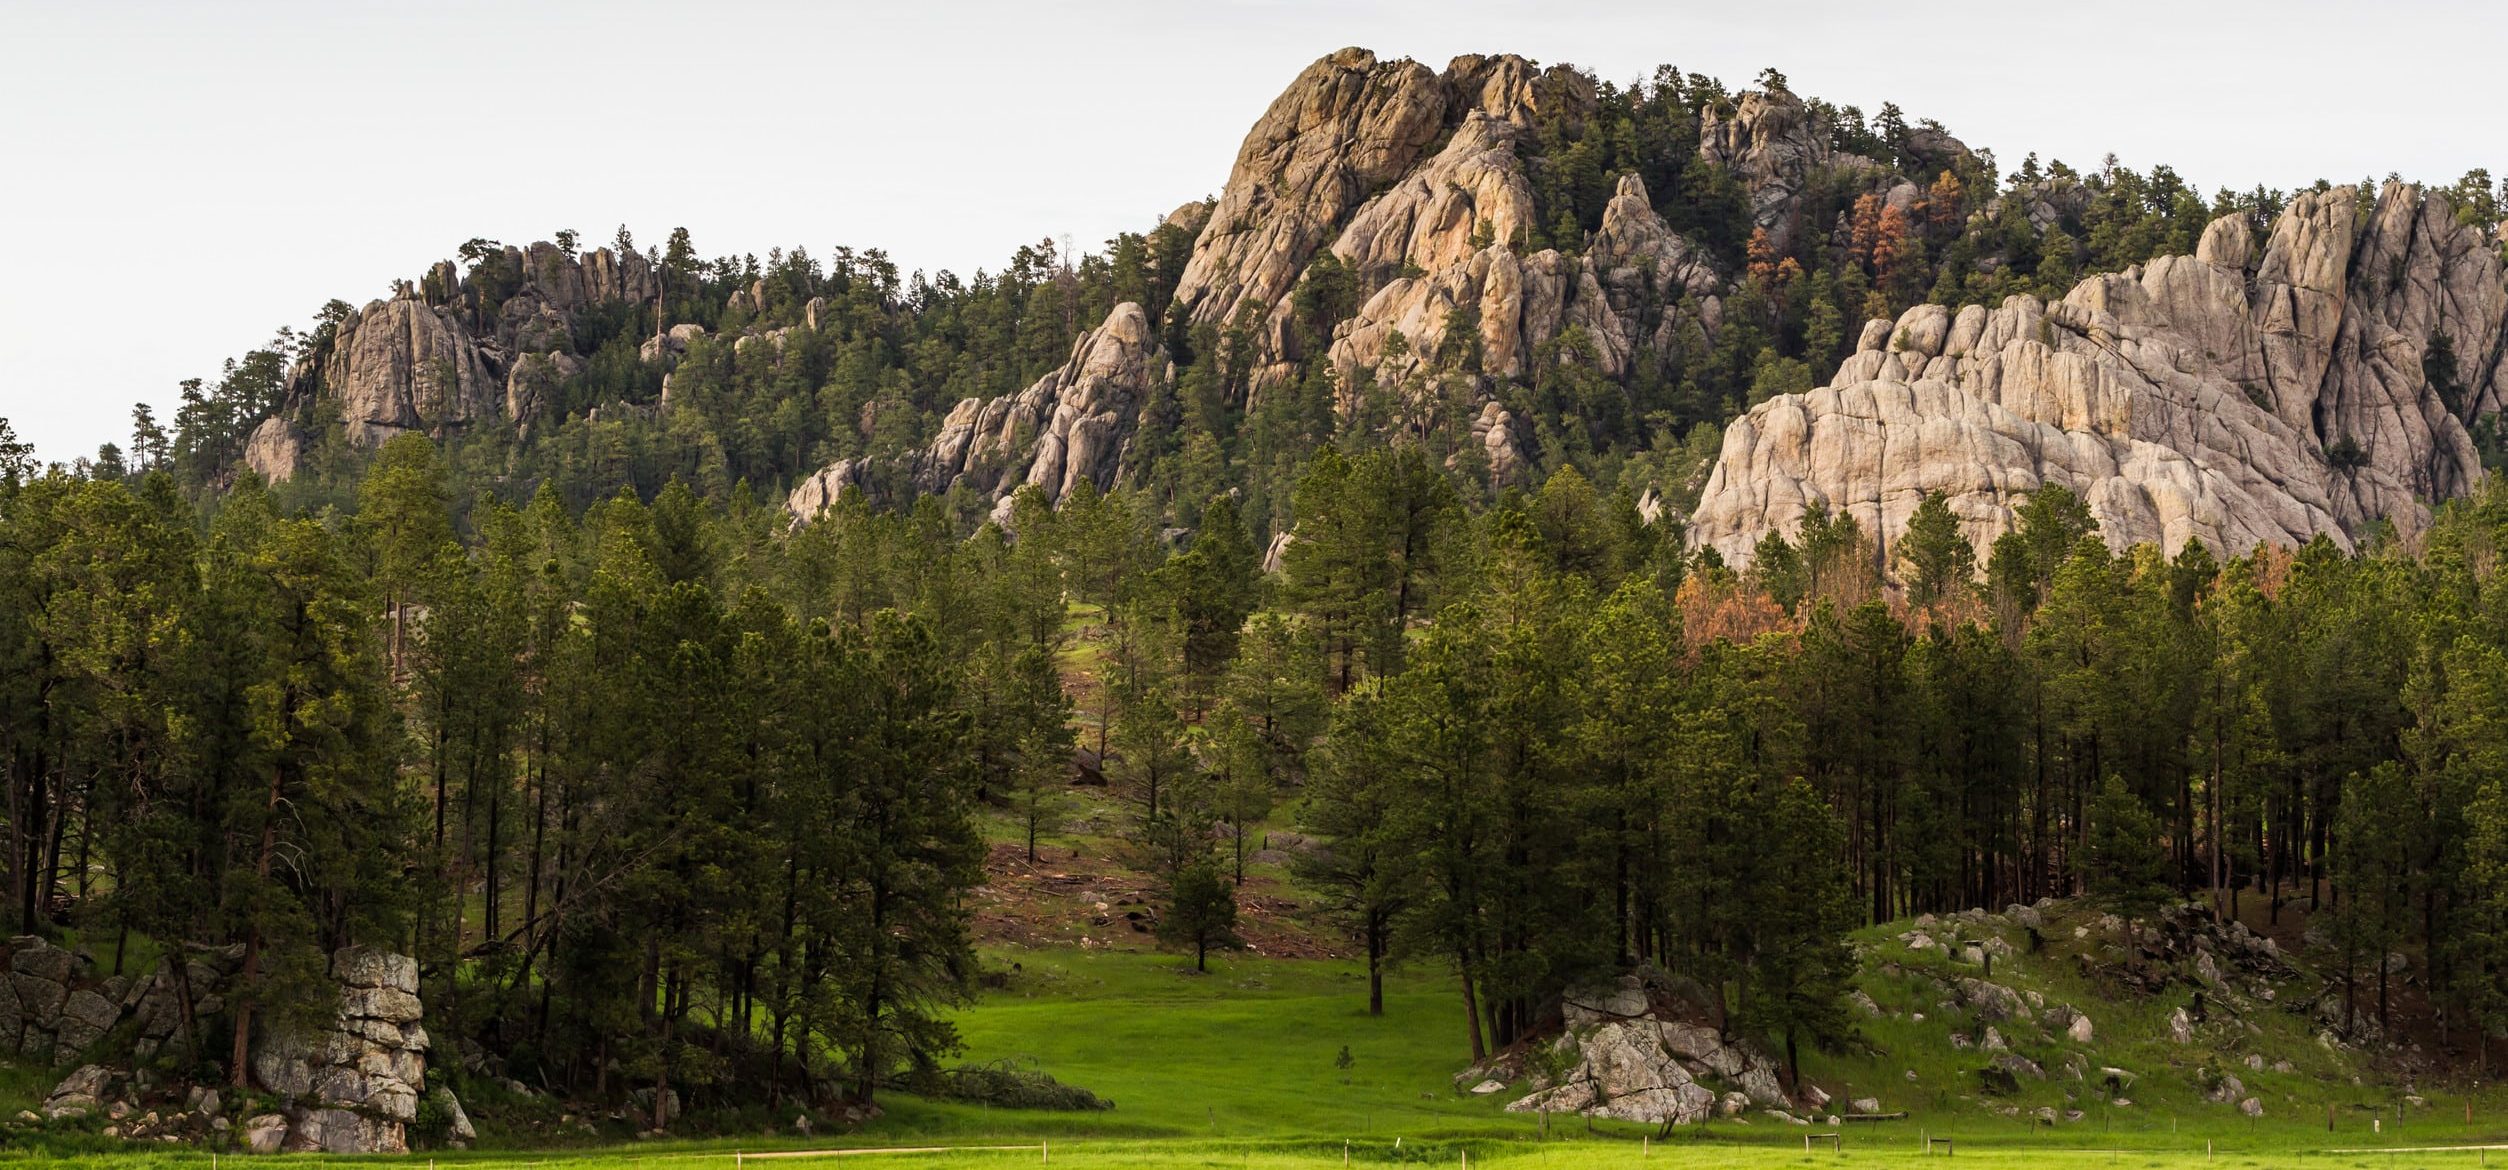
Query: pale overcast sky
(178, 179)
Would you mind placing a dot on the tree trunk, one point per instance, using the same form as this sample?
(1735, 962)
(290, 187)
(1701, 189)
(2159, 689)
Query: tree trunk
(1375, 967)
(240, 1061)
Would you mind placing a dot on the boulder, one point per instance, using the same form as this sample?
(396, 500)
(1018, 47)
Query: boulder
(665, 348)
(265, 1133)
(40, 998)
(458, 1128)
(1629, 1065)
(85, 1017)
(1621, 999)
(1759, 1081)
(2018, 1065)
(33, 958)
(381, 1003)
(1993, 1001)
(333, 1130)
(80, 1093)
(368, 967)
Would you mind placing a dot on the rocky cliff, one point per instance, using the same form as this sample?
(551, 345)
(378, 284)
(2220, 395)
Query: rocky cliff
(1342, 163)
(1400, 227)
(1074, 424)
(349, 1086)
(1417, 183)
(451, 352)
(2240, 395)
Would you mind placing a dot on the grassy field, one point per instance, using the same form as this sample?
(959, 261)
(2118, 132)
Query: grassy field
(1241, 1068)
(1581, 1154)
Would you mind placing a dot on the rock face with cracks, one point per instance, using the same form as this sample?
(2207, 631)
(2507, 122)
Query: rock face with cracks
(352, 1083)
(454, 351)
(2234, 397)
(1075, 424)
(357, 1081)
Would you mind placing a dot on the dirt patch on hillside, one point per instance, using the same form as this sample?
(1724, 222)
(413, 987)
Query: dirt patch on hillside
(1069, 898)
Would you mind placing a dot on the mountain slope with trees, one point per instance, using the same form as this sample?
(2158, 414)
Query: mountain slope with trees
(641, 643)
(1520, 268)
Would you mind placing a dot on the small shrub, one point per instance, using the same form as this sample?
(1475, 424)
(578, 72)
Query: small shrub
(1012, 1084)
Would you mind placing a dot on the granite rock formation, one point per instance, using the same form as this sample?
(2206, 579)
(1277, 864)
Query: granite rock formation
(1628, 1055)
(352, 1086)
(2238, 396)
(274, 448)
(402, 365)
(449, 352)
(1075, 424)
(1347, 126)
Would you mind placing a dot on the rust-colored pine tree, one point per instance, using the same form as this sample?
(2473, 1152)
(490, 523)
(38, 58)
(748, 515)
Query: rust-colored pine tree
(1863, 229)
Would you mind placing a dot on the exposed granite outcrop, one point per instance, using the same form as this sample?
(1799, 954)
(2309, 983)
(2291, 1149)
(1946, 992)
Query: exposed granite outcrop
(274, 449)
(1346, 127)
(1075, 424)
(2225, 397)
(1626, 1054)
(351, 1086)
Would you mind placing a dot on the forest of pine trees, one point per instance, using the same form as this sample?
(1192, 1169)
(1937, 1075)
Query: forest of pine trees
(665, 793)
(625, 776)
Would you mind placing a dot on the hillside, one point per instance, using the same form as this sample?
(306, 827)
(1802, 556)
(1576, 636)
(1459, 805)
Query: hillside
(1409, 637)
(1523, 269)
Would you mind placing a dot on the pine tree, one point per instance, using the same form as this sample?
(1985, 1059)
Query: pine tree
(914, 848)
(1801, 966)
(2126, 869)
(1201, 913)
(1936, 554)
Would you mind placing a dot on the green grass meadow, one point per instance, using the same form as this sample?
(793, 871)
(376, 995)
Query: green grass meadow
(1240, 1068)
